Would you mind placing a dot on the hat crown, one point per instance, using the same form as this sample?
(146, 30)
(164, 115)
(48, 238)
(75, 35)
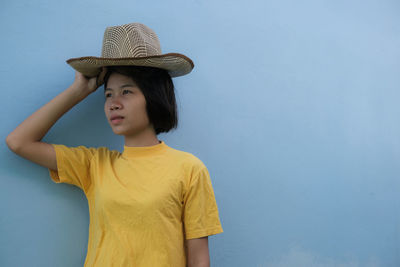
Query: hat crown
(130, 40)
(132, 44)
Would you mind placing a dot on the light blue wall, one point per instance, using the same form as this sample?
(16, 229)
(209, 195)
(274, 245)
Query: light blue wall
(292, 105)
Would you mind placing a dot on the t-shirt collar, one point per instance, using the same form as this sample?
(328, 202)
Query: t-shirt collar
(143, 151)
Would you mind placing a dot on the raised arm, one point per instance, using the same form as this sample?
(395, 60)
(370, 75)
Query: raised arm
(25, 140)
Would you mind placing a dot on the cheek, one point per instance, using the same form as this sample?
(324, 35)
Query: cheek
(139, 107)
(141, 113)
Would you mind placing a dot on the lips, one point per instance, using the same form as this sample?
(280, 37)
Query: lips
(115, 119)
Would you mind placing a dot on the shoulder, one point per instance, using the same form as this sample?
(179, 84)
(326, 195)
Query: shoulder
(188, 161)
(105, 152)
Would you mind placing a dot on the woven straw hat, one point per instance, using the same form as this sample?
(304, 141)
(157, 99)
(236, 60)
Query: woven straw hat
(132, 44)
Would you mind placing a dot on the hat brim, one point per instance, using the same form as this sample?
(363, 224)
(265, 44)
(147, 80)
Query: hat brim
(176, 64)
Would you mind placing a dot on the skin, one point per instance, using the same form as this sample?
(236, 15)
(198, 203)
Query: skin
(198, 252)
(123, 97)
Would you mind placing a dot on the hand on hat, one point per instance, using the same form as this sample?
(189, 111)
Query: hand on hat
(89, 84)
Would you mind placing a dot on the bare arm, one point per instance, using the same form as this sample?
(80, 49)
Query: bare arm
(197, 252)
(25, 139)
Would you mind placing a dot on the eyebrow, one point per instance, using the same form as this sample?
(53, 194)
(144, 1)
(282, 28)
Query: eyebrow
(122, 86)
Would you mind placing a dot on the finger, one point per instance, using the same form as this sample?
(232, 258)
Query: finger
(102, 75)
(103, 72)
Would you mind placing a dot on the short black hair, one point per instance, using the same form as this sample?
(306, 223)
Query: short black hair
(158, 89)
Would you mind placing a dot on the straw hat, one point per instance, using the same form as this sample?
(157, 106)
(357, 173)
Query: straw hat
(132, 44)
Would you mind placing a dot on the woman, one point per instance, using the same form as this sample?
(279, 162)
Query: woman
(150, 205)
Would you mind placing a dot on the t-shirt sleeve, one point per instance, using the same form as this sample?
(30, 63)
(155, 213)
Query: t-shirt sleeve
(73, 166)
(200, 213)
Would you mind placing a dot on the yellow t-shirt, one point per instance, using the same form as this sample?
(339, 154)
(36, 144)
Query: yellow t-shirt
(143, 202)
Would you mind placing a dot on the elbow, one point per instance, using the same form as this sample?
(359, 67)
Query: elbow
(12, 144)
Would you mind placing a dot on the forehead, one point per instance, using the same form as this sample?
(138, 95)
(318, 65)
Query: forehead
(119, 81)
(117, 78)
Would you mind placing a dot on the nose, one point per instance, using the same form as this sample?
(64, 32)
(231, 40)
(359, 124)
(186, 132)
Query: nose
(115, 104)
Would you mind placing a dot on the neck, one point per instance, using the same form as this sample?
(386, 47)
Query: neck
(146, 137)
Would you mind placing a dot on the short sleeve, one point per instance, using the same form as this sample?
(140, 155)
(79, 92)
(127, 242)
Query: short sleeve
(73, 165)
(200, 213)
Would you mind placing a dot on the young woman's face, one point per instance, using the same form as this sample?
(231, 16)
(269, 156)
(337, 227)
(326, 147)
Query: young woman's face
(124, 98)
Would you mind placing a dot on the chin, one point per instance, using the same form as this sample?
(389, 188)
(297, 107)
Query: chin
(116, 131)
(119, 132)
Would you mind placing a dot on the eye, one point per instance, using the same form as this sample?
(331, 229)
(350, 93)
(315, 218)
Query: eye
(108, 94)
